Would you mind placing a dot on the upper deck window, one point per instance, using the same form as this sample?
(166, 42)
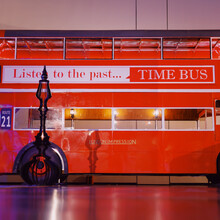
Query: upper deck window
(186, 48)
(215, 48)
(40, 48)
(7, 48)
(88, 48)
(137, 48)
(71, 48)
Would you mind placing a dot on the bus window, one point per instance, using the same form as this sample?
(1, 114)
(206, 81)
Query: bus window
(88, 48)
(205, 119)
(215, 48)
(186, 48)
(188, 119)
(137, 48)
(88, 118)
(7, 48)
(26, 118)
(217, 111)
(40, 48)
(138, 119)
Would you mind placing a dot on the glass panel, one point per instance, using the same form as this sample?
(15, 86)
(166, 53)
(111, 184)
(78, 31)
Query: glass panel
(217, 111)
(39, 48)
(186, 48)
(216, 48)
(30, 118)
(88, 48)
(88, 118)
(7, 48)
(138, 119)
(138, 48)
(54, 119)
(192, 119)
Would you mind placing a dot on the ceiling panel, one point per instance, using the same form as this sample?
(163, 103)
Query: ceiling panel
(67, 15)
(193, 14)
(151, 15)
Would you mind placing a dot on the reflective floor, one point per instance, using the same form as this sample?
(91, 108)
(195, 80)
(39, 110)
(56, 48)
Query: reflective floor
(110, 202)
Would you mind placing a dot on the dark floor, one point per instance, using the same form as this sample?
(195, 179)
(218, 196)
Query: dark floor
(105, 202)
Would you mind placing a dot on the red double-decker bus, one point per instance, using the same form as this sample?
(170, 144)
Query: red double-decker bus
(135, 105)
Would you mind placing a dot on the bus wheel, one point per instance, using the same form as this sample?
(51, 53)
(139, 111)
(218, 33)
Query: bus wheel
(215, 178)
(37, 169)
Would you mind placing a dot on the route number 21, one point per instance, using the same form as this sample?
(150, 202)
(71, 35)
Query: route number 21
(6, 122)
(6, 118)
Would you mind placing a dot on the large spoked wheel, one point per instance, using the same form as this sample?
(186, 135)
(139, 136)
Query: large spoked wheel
(41, 169)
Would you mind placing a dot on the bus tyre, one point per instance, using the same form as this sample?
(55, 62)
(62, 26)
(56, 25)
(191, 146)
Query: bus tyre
(215, 178)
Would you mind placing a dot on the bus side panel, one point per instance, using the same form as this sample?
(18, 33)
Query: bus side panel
(161, 152)
(162, 99)
(190, 151)
(81, 99)
(141, 152)
(123, 151)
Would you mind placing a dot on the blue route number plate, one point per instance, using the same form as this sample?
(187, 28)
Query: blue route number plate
(6, 118)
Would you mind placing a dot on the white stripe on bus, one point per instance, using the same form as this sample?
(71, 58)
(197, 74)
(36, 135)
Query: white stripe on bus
(116, 90)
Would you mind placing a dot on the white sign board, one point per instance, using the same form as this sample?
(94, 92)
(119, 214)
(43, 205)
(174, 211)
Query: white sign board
(110, 74)
(66, 74)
